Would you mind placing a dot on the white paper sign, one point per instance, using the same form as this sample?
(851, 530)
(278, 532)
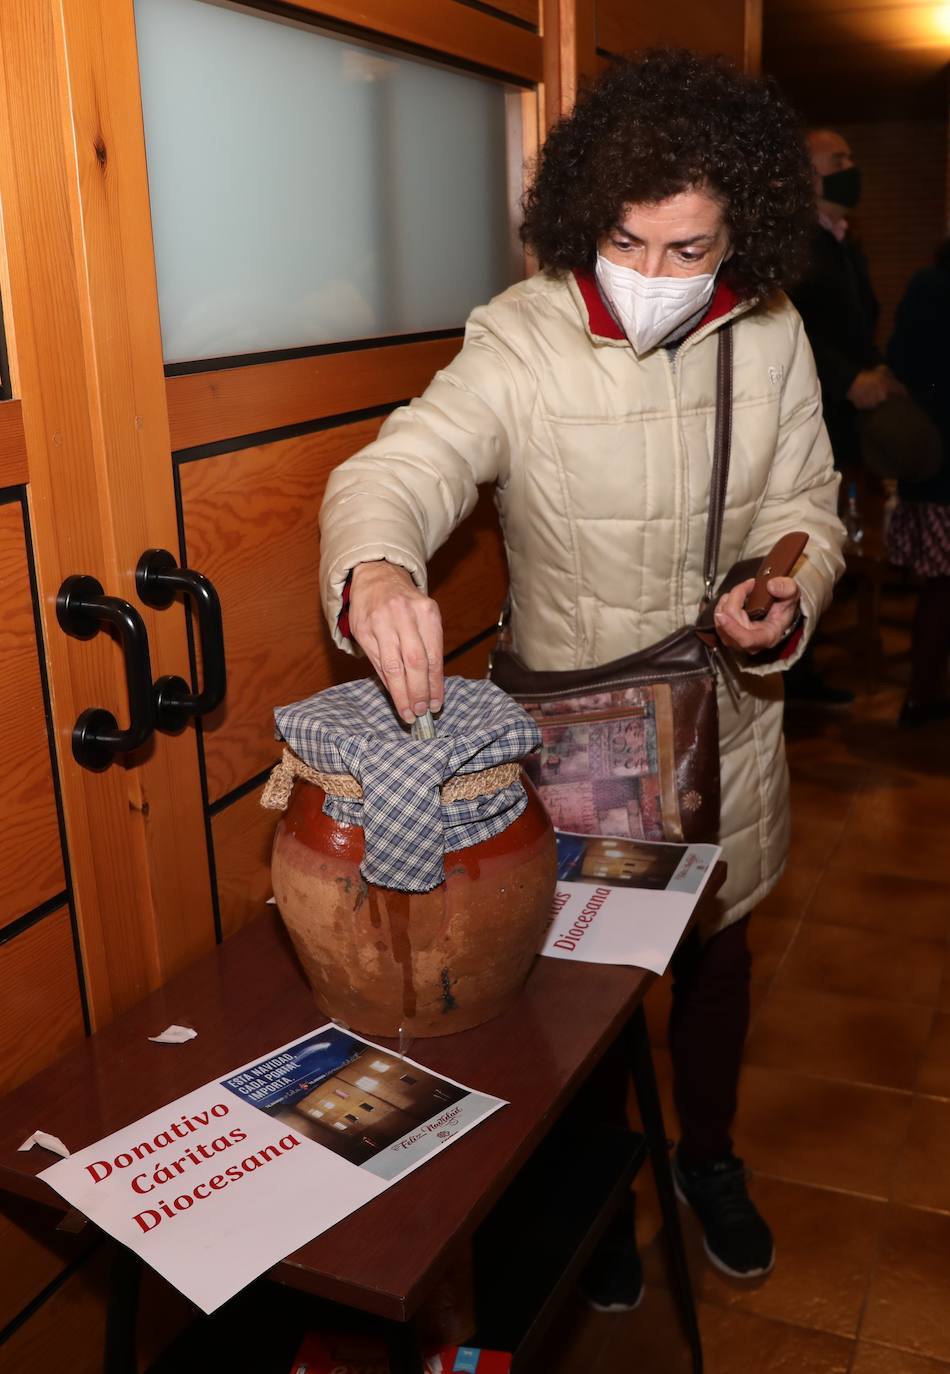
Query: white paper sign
(621, 901)
(221, 1184)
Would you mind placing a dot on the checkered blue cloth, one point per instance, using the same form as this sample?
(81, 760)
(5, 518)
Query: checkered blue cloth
(354, 729)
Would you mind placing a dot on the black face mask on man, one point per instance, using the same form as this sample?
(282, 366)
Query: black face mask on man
(842, 188)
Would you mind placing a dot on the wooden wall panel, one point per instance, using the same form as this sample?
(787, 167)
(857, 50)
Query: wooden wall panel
(81, 312)
(206, 407)
(519, 9)
(13, 469)
(243, 834)
(449, 27)
(31, 860)
(40, 1006)
(68, 1331)
(251, 526)
(719, 28)
(32, 1252)
(903, 163)
(473, 662)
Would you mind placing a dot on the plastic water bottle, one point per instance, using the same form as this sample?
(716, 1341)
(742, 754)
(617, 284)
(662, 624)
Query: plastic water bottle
(852, 518)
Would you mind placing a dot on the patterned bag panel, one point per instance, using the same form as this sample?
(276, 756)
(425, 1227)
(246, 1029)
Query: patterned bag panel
(628, 763)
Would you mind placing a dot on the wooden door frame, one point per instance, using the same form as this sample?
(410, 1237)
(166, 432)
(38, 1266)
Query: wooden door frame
(86, 364)
(568, 30)
(752, 52)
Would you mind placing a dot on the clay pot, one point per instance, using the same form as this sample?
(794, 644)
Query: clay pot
(426, 963)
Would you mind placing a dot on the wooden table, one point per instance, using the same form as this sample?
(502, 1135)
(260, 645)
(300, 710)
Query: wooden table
(249, 996)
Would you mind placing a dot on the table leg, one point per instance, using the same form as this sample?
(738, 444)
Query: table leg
(651, 1114)
(119, 1355)
(402, 1345)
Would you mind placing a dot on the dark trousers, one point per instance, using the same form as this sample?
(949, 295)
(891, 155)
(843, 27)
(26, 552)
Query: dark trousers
(708, 1024)
(709, 1020)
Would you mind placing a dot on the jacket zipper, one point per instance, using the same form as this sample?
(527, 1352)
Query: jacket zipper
(705, 330)
(683, 463)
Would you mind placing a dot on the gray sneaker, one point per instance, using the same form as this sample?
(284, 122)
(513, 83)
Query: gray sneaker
(737, 1239)
(613, 1279)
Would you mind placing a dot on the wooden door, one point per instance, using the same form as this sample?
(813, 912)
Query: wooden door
(101, 896)
(41, 998)
(253, 440)
(222, 462)
(110, 881)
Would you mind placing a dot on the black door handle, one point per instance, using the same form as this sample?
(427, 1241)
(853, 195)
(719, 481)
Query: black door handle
(157, 579)
(82, 610)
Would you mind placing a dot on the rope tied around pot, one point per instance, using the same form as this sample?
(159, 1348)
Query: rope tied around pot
(463, 787)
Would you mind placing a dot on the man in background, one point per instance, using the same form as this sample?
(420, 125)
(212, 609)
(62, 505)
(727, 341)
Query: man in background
(838, 307)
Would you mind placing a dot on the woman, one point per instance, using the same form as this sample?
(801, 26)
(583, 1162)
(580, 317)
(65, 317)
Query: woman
(918, 536)
(676, 197)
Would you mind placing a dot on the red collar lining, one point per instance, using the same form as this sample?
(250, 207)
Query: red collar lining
(602, 323)
(598, 316)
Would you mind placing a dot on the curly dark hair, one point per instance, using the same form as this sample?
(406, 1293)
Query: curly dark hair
(664, 122)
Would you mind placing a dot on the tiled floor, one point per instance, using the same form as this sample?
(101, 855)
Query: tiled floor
(845, 1098)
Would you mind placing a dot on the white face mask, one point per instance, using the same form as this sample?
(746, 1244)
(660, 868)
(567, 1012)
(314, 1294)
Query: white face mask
(650, 309)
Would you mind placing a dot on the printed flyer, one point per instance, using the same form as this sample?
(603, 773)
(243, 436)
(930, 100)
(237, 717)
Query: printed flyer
(221, 1184)
(621, 901)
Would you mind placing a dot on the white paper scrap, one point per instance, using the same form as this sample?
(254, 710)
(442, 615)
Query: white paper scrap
(48, 1142)
(174, 1035)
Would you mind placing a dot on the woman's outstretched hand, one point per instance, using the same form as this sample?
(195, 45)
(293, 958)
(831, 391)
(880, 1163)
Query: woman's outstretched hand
(399, 629)
(737, 631)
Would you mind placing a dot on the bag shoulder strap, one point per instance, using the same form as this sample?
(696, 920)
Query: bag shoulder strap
(720, 466)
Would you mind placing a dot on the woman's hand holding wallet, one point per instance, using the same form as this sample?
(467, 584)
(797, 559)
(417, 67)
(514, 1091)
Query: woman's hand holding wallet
(759, 613)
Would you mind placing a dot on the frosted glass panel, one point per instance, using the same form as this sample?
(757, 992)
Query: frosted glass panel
(306, 189)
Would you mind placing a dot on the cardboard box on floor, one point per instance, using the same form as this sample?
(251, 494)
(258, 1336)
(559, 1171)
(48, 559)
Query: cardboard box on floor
(346, 1353)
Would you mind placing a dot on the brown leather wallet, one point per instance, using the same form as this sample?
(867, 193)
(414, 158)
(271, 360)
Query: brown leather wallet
(778, 563)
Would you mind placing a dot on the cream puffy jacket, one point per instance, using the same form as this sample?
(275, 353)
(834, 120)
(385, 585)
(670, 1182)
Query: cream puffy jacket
(601, 465)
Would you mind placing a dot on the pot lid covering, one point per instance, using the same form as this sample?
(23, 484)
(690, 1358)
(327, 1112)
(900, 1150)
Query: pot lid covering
(353, 728)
